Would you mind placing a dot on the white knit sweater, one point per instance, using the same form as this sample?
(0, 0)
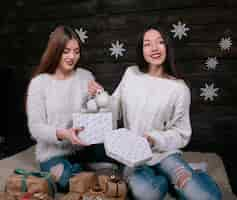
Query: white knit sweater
(50, 104)
(157, 106)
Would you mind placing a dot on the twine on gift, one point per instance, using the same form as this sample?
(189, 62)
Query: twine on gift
(45, 175)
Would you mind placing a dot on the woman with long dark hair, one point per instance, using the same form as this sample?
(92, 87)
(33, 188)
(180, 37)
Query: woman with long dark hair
(154, 102)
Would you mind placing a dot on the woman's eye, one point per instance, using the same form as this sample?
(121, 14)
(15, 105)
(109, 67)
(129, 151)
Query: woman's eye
(65, 51)
(77, 52)
(146, 44)
(162, 42)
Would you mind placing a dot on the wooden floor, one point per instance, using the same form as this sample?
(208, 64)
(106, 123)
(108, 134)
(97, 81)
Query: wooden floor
(216, 169)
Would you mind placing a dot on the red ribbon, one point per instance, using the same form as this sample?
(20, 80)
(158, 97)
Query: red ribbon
(27, 196)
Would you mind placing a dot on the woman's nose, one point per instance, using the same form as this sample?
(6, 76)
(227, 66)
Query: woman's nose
(154, 46)
(71, 55)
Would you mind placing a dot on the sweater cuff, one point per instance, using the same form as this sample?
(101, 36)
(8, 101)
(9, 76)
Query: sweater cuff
(159, 140)
(53, 136)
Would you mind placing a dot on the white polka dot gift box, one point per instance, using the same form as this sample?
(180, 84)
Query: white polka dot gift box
(96, 125)
(127, 147)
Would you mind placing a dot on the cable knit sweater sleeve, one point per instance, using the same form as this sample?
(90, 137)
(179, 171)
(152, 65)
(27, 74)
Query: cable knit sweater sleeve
(116, 101)
(177, 132)
(36, 112)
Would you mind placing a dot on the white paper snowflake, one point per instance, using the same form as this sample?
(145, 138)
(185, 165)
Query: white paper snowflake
(225, 43)
(82, 34)
(209, 92)
(211, 63)
(179, 30)
(117, 49)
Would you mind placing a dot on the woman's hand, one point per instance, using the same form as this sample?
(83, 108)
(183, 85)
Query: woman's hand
(70, 134)
(93, 87)
(149, 139)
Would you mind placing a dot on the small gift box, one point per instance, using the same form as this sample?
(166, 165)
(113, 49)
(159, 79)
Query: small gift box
(82, 182)
(32, 182)
(97, 193)
(35, 196)
(6, 196)
(96, 125)
(89, 186)
(127, 147)
(112, 186)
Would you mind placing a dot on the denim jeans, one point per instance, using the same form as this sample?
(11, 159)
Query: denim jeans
(74, 163)
(69, 169)
(153, 182)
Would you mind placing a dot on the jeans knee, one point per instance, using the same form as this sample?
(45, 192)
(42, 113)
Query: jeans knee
(155, 189)
(201, 186)
(63, 180)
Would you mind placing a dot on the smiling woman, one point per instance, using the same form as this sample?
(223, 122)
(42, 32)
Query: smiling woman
(155, 103)
(57, 90)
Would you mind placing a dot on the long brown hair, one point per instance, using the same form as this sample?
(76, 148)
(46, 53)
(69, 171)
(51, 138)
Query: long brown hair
(53, 52)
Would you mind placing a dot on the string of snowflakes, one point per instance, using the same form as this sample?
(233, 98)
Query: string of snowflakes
(179, 31)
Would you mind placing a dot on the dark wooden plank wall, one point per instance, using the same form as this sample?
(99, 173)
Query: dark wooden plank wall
(26, 26)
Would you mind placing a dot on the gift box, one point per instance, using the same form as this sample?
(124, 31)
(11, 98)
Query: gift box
(32, 182)
(35, 196)
(90, 186)
(127, 147)
(96, 125)
(6, 196)
(113, 186)
(82, 182)
(113, 190)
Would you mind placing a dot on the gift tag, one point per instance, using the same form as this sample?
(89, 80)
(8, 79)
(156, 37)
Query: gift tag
(96, 125)
(127, 147)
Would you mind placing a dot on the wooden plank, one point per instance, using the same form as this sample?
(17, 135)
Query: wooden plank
(193, 67)
(115, 6)
(79, 8)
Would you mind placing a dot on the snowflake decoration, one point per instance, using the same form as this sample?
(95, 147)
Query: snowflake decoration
(81, 34)
(179, 30)
(211, 63)
(225, 43)
(117, 49)
(209, 92)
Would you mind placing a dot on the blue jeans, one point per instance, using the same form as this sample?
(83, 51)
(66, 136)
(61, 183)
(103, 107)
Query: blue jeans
(148, 183)
(68, 170)
(74, 163)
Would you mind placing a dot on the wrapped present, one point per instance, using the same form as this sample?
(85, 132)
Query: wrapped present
(35, 196)
(24, 196)
(127, 147)
(96, 193)
(89, 186)
(112, 186)
(31, 182)
(71, 196)
(82, 182)
(6, 196)
(96, 126)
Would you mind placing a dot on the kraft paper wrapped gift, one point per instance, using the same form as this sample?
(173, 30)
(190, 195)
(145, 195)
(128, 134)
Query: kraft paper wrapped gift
(96, 125)
(32, 182)
(6, 196)
(89, 186)
(82, 182)
(127, 147)
(107, 188)
(35, 196)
